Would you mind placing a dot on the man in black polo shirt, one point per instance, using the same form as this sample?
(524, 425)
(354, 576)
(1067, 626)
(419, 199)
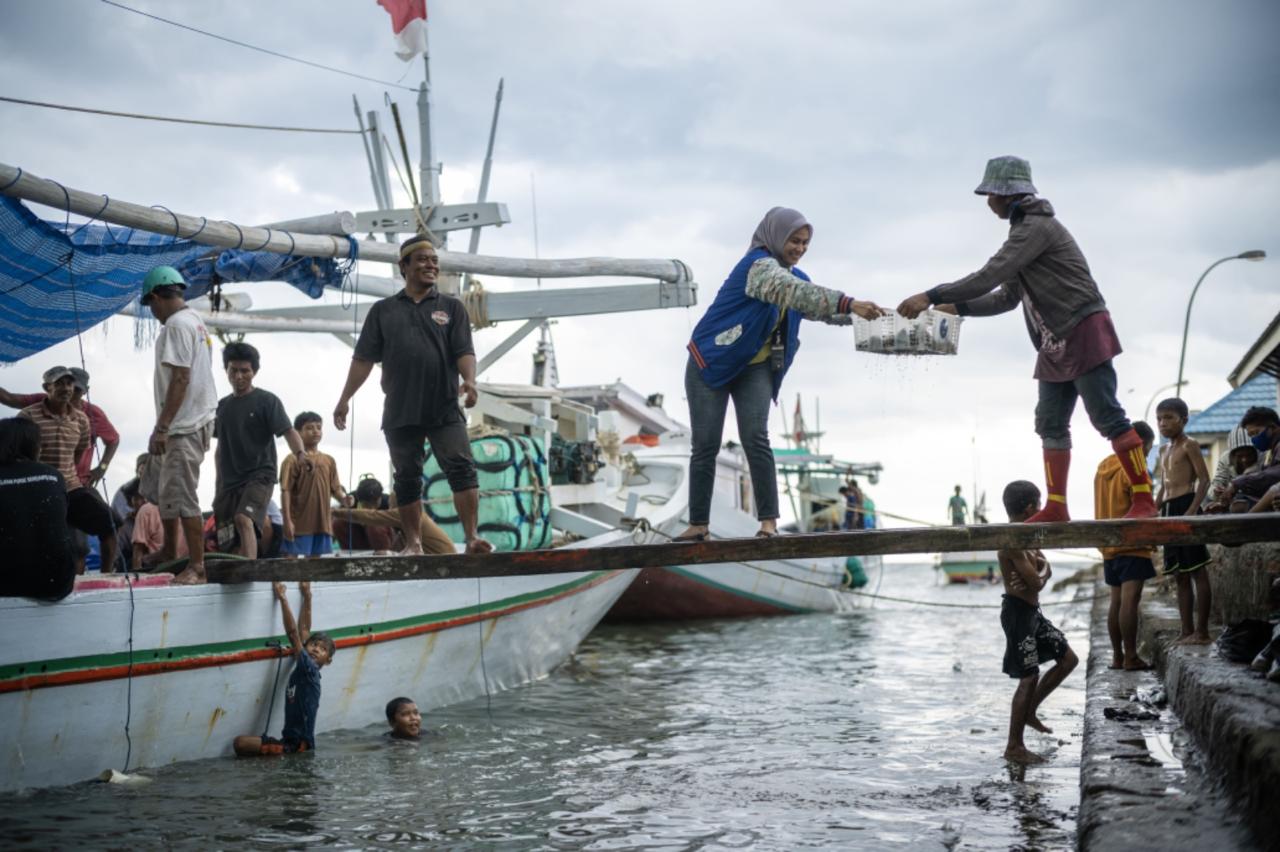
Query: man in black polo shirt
(422, 338)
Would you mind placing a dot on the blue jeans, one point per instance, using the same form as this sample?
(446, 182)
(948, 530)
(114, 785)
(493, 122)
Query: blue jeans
(1058, 400)
(752, 392)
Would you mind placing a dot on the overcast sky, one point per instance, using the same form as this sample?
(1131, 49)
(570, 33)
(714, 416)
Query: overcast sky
(663, 129)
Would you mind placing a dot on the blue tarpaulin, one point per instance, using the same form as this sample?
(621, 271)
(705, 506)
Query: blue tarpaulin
(56, 281)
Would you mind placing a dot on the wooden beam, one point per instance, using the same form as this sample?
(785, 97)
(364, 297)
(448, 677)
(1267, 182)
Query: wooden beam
(1221, 529)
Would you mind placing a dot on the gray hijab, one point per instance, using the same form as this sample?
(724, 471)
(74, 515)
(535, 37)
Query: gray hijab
(776, 227)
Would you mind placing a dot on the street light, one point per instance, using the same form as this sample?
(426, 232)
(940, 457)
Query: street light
(1255, 254)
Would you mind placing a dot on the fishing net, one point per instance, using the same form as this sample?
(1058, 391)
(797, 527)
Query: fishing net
(931, 333)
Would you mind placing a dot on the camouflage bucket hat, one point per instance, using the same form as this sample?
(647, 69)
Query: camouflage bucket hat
(1006, 176)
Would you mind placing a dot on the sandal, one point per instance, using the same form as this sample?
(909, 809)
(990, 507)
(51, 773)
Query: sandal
(694, 537)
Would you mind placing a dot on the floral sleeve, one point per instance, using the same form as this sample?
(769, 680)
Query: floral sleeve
(769, 282)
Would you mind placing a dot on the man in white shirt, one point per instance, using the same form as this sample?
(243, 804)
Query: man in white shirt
(186, 404)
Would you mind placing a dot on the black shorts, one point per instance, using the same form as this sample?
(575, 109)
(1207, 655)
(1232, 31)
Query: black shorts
(89, 513)
(451, 447)
(1029, 638)
(1122, 569)
(1182, 558)
(249, 500)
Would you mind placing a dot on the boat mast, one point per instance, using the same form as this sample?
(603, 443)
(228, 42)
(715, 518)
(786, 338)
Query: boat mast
(428, 168)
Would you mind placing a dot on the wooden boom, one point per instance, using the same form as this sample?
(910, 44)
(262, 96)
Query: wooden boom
(1219, 529)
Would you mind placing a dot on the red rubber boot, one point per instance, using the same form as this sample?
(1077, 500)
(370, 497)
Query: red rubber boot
(1056, 465)
(1128, 449)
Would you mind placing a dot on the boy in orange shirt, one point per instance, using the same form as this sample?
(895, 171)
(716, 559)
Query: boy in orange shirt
(1124, 569)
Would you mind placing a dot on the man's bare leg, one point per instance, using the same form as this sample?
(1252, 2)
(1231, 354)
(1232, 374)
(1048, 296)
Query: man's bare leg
(1130, 597)
(1048, 684)
(172, 529)
(1204, 606)
(1016, 749)
(411, 526)
(107, 549)
(1113, 628)
(1184, 607)
(248, 536)
(193, 531)
(467, 504)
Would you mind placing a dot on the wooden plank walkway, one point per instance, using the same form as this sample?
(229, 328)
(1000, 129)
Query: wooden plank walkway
(1220, 529)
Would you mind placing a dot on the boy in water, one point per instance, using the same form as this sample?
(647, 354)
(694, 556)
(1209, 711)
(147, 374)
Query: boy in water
(1124, 569)
(313, 651)
(1184, 480)
(1029, 637)
(404, 719)
(304, 494)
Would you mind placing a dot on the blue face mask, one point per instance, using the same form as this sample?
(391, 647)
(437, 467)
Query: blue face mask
(1262, 440)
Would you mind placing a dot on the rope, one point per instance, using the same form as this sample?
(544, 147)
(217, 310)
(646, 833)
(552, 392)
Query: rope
(476, 300)
(240, 125)
(274, 53)
(275, 684)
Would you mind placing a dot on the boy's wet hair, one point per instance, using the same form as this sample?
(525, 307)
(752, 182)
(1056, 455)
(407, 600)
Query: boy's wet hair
(1174, 404)
(1018, 495)
(19, 440)
(240, 351)
(323, 639)
(1144, 431)
(1260, 415)
(394, 705)
(306, 417)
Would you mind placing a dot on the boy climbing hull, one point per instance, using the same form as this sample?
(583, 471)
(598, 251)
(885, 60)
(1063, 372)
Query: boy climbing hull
(74, 701)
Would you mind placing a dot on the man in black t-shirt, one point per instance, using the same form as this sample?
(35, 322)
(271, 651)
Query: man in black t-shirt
(248, 422)
(35, 541)
(422, 338)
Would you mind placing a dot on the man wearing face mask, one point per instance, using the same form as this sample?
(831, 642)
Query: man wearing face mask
(1263, 427)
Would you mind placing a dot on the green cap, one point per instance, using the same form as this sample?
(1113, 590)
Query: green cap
(1006, 176)
(161, 276)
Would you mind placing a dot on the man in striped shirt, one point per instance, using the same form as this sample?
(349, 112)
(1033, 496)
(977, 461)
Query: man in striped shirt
(64, 436)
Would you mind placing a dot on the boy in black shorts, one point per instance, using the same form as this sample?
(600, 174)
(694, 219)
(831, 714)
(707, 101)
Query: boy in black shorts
(1184, 481)
(1030, 639)
(302, 697)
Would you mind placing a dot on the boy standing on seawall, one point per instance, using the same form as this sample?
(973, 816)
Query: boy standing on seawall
(1124, 569)
(1042, 270)
(313, 651)
(1184, 480)
(304, 494)
(1029, 637)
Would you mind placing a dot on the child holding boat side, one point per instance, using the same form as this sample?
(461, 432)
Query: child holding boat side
(1030, 639)
(313, 652)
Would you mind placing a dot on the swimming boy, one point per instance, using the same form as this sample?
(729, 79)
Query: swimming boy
(1124, 569)
(1184, 480)
(404, 719)
(1029, 637)
(313, 652)
(304, 494)
(1042, 270)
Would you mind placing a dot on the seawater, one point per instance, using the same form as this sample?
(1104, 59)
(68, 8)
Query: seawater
(877, 729)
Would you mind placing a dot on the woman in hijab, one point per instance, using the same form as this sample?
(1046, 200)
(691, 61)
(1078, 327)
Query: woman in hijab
(741, 349)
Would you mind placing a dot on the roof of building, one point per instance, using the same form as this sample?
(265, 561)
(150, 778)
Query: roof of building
(1262, 357)
(1224, 415)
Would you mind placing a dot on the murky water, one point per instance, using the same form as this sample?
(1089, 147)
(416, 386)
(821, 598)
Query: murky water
(880, 729)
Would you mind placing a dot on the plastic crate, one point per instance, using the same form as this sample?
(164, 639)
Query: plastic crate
(931, 333)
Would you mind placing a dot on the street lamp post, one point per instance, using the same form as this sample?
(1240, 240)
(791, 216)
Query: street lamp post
(1255, 254)
(1146, 415)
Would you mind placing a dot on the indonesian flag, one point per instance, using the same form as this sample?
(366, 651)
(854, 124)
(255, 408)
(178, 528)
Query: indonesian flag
(409, 21)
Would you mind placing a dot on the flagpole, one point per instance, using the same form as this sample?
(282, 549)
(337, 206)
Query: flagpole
(427, 170)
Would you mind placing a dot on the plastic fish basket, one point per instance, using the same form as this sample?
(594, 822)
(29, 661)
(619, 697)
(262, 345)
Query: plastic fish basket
(931, 333)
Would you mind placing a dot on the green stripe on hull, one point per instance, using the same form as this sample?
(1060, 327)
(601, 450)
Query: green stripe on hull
(698, 578)
(215, 649)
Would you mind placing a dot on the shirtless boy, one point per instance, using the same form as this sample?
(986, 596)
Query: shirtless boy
(1029, 637)
(1184, 481)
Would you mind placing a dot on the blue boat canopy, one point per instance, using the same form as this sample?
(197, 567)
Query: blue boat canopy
(57, 281)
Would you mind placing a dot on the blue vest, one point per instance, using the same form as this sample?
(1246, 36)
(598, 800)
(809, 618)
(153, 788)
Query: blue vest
(734, 328)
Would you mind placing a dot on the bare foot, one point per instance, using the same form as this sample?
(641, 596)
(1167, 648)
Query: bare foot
(411, 550)
(1137, 664)
(1199, 639)
(479, 545)
(696, 533)
(1116, 663)
(1184, 639)
(1021, 755)
(192, 575)
(1033, 721)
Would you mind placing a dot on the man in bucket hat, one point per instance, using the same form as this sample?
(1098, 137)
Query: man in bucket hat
(1041, 268)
